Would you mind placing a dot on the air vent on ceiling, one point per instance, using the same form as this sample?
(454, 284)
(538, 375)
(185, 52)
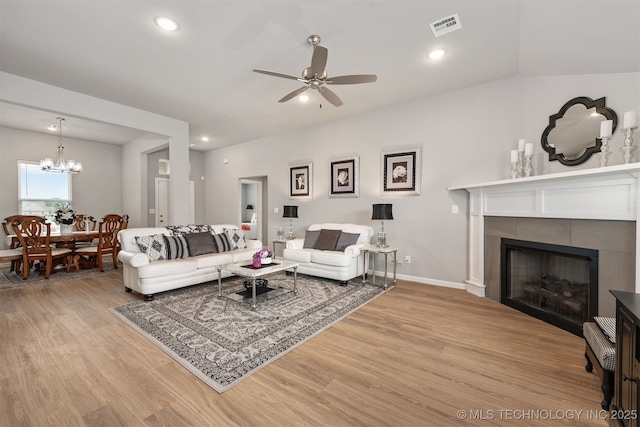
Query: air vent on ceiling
(445, 25)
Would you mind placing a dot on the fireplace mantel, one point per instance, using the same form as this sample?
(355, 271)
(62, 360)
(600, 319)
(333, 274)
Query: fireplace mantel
(608, 193)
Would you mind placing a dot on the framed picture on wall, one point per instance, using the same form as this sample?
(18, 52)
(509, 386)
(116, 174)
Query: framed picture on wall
(345, 177)
(300, 180)
(401, 171)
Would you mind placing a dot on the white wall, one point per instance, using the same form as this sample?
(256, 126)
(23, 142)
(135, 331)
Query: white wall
(465, 136)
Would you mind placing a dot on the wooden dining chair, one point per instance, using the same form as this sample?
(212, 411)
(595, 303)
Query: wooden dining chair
(82, 220)
(34, 234)
(6, 226)
(108, 230)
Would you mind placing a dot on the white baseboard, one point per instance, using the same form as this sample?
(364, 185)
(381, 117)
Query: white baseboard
(426, 281)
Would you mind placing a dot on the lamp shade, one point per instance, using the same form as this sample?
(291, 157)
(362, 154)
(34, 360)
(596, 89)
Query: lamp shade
(290, 212)
(249, 206)
(382, 211)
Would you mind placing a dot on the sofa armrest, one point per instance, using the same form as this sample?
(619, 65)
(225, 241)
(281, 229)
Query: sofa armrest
(133, 259)
(294, 244)
(253, 244)
(353, 250)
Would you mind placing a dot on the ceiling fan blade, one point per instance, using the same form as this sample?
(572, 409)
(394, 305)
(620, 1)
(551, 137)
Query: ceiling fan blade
(318, 61)
(354, 79)
(330, 96)
(294, 94)
(271, 73)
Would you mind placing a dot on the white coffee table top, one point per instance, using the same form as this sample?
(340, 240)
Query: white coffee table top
(245, 269)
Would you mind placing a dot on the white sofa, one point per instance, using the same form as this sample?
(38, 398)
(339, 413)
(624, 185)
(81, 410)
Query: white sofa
(150, 277)
(342, 265)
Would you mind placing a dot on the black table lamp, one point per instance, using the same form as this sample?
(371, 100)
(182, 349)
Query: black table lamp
(290, 212)
(382, 211)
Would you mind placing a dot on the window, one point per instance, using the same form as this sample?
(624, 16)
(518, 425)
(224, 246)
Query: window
(41, 193)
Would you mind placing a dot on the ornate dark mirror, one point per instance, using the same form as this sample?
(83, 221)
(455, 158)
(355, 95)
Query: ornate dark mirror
(573, 134)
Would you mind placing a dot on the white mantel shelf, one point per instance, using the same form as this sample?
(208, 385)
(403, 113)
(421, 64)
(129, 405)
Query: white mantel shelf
(629, 170)
(608, 193)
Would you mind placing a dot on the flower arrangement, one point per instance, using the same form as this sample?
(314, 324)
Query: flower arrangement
(263, 253)
(65, 215)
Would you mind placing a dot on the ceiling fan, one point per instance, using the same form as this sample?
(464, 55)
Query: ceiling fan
(315, 76)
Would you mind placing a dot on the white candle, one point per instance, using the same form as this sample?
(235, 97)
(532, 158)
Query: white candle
(521, 145)
(514, 156)
(528, 149)
(629, 120)
(606, 128)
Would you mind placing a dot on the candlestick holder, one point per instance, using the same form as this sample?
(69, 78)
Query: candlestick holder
(520, 168)
(514, 170)
(528, 168)
(628, 146)
(604, 151)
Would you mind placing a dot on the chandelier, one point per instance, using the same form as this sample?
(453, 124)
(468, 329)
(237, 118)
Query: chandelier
(60, 165)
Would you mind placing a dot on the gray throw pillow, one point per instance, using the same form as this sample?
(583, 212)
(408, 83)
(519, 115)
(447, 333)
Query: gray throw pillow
(221, 242)
(346, 239)
(310, 239)
(176, 247)
(327, 239)
(200, 243)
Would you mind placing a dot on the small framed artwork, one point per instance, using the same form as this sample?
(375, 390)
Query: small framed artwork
(401, 171)
(300, 180)
(345, 173)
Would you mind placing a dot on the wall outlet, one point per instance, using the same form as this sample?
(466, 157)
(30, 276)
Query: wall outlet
(454, 209)
(407, 259)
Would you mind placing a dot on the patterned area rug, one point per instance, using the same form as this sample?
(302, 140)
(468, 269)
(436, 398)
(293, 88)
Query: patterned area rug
(223, 341)
(11, 280)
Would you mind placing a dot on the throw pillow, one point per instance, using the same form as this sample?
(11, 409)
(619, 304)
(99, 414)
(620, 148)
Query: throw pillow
(236, 238)
(346, 239)
(153, 246)
(310, 239)
(181, 230)
(176, 247)
(221, 242)
(200, 243)
(608, 327)
(327, 239)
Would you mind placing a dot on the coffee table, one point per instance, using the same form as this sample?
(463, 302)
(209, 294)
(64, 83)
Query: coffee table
(245, 269)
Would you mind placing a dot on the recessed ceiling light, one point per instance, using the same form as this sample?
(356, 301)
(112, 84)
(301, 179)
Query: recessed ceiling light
(192, 145)
(437, 53)
(303, 98)
(205, 138)
(166, 23)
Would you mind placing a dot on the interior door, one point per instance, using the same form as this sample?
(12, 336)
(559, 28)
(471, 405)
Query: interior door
(163, 203)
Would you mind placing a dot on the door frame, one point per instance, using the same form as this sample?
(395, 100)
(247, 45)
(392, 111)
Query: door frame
(192, 197)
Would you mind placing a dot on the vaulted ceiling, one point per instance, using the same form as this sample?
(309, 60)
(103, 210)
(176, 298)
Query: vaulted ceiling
(202, 73)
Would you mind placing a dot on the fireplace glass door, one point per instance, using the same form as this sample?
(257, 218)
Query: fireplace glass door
(557, 284)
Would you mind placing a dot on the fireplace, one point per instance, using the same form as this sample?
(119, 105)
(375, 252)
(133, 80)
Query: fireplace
(557, 284)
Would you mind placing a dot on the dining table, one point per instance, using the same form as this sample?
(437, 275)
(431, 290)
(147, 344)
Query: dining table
(66, 240)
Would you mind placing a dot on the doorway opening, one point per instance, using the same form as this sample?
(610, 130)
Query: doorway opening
(253, 207)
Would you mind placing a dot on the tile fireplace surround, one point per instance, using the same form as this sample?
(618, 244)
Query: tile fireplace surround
(591, 208)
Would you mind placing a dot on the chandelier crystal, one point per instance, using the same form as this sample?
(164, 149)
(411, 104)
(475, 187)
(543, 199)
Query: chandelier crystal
(60, 165)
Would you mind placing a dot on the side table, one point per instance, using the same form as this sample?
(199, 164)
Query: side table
(379, 250)
(276, 241)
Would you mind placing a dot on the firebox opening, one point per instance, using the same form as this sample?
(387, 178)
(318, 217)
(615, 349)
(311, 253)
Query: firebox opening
(554, 283)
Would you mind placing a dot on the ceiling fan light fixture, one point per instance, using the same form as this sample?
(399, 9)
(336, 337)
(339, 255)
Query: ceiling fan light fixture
(437, 54)
(165, 23)
(303, 98)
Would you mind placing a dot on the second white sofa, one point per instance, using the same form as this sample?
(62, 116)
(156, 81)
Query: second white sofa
(342, 262)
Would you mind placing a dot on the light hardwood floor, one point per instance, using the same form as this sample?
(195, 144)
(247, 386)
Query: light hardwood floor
(415, 356)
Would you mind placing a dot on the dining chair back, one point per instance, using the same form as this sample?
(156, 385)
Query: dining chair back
(84, 220)
(108, 230)
(10, 256)
(34, 234)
